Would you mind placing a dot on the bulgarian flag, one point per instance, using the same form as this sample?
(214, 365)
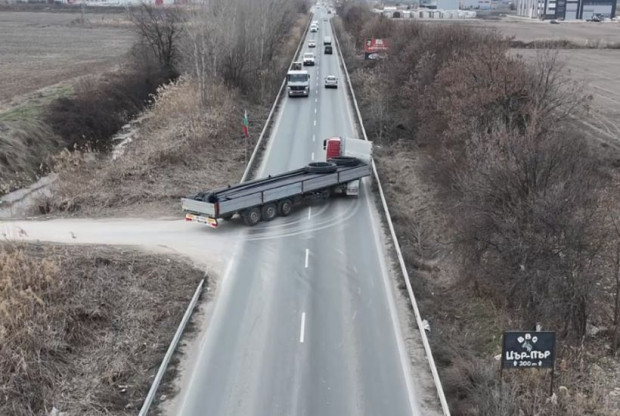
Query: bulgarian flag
(246, 124)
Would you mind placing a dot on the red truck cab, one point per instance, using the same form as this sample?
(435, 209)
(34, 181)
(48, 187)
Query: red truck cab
(332, 147)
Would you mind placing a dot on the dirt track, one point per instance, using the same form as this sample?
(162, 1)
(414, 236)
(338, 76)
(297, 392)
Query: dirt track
(209, 249)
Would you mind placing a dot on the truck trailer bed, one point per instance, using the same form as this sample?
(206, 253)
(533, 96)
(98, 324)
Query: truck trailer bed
(224, 202)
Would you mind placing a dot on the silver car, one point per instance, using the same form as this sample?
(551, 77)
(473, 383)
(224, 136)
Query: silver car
(331, 81)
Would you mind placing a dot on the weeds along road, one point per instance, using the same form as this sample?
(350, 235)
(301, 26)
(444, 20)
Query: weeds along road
(305, 317)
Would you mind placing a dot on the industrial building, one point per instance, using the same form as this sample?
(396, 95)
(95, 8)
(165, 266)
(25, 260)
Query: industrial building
(566, 9)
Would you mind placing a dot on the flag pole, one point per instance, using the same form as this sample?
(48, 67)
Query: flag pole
(246, 135)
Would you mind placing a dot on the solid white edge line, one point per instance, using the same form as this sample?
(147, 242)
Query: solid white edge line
(401, 261)
(302, 330)
(307, 255)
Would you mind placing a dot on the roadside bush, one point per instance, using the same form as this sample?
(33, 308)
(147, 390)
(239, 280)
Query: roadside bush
(99, 108)
(531, 234)
(160, 34)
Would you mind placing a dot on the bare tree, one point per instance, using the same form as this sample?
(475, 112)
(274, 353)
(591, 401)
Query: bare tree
(236, 40)
(160, 31)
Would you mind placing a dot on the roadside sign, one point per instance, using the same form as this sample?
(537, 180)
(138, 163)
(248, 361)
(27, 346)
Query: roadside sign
(521, 349)
(376, 48)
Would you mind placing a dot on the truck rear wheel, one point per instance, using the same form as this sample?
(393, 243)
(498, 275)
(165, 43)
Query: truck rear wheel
(285, 207)
(269, 211)
(251, 216)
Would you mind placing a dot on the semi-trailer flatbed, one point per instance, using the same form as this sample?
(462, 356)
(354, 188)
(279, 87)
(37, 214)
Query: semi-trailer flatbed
(264, 199)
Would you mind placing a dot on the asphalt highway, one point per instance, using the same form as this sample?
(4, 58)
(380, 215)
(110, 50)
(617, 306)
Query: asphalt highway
(304, 322)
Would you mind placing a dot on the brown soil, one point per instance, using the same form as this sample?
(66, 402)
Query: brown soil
(41, 49)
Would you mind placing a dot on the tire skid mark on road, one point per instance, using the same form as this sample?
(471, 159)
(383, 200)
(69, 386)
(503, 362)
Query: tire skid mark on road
(325, 222)
(293, 220)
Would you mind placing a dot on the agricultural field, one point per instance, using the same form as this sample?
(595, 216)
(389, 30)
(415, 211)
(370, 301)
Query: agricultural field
(581, 33)
(597, 70)
(595, 67)
(40, 49)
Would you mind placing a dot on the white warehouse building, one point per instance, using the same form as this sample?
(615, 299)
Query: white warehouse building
(566, 9)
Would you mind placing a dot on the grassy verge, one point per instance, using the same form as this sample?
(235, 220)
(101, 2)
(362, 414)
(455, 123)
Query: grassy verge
(82, 328)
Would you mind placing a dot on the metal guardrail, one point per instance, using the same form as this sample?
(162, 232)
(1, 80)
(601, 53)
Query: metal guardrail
(252, 161)
(173, 346)
(401, 261)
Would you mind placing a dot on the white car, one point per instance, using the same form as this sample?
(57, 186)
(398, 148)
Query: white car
(314, 27)
(331, 81)
(312, 44)
(308, 59)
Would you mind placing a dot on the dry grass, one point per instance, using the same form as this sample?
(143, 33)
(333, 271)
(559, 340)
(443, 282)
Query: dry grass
(83, 328)
(24, 146)
(179, 149)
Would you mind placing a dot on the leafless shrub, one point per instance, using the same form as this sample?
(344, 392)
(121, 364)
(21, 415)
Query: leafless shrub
(239, 42)
(181, 148)
(160, 31)
(530, 230)
(100, 107)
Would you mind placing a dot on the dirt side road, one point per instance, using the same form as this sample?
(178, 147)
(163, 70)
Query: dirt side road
(207, 248)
